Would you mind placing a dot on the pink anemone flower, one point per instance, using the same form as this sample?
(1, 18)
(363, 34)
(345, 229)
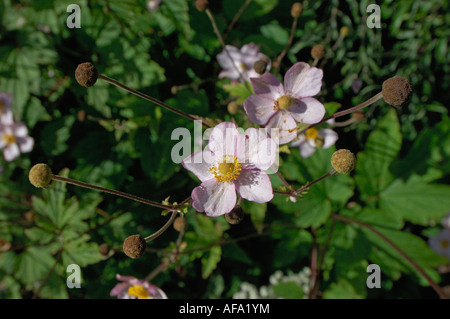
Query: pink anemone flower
(279, 107)
(232, 162)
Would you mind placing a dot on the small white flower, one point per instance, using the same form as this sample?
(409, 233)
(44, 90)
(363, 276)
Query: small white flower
(313, 138)
(441, 243)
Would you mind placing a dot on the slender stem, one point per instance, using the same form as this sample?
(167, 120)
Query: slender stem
(236, 18)
(111, 191)
(301, 189)
(372, 100)
(286, 48)
(149, 98)
(163, 229)
(283, 180)
(156, 271)
(314, 266)
(419, 269)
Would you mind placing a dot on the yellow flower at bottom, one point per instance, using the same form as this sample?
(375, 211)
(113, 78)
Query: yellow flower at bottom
(138, 291)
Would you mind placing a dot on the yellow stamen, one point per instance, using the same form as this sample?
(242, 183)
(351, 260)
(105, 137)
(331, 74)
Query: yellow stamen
(244, 67)
(138, 291)
(284, 102)
(311, 134)
(226, 170)
(8, 139)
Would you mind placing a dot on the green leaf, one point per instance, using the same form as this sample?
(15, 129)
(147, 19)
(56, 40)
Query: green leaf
(275, 32)
(33, 265)
(238, 90)
(256, 211)
(288, 290)
(55, 134)
(372, 166)
(210, 261)
(416, 201)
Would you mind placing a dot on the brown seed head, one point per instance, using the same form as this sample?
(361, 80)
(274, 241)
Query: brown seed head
(134, 246)
(232, 107)
(86, 74)
(318, 51)
(396, 91)
(180, 224)
(40, 175)
(260, 66)
(235, 216)
(343, 161)
(104, 249)
(201, 5)
(296, 9)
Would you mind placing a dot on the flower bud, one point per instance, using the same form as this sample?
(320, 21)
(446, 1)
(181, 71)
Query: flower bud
(86, 74)
(40, 175)
(134, 246)
(260, 66)
(296, 9)
(201, 5)
(396, 91)
(343, 161)
(104, 249)
(318, 51)
(235, 216)
(180, 224)
(232, 107)
(344, 31)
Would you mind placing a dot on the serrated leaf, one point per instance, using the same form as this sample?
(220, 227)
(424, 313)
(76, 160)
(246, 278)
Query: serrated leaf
(288, 290)
(210, 261)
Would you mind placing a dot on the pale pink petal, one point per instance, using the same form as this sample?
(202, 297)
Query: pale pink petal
(267, 86)
(259, 109)
(282, 127)
(25, 144)
(128, 279)
(225, 139)
(254, 185)
(261, 151)
(299, 141)
(214, 198)
(307, 110)
(119, 289)
(303, 80)
(199, 164)
(231, 73)
(11, 152)
(329, 137)
(306, 148)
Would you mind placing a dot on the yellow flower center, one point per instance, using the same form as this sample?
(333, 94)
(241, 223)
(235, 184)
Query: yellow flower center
(226, 170)
(445, 243)
(244, 67)
(284, 102)
(312, 133)
(139, 292)
(8, 139)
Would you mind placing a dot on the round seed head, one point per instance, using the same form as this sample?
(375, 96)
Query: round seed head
(86, 74)
(201, 5)
(134, 246)
(296, 9)
(260, 66)
(40, 175)
(343, 161)
(180, 224)
(235, 216)
(396, 91)
(318, 51)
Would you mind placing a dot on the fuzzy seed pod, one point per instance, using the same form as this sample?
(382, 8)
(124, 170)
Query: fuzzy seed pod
(201, 5)
(180, 224)
(235, 216)
(104, 249)
(40, 175)
(134, 246)
(260, 66)
(343, 161)
(296, 10)
(318, 51)
(396, 91)
(344, 31)
(86, 74)
(232, 108)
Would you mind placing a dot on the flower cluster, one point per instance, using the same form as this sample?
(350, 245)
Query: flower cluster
(14, 138)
